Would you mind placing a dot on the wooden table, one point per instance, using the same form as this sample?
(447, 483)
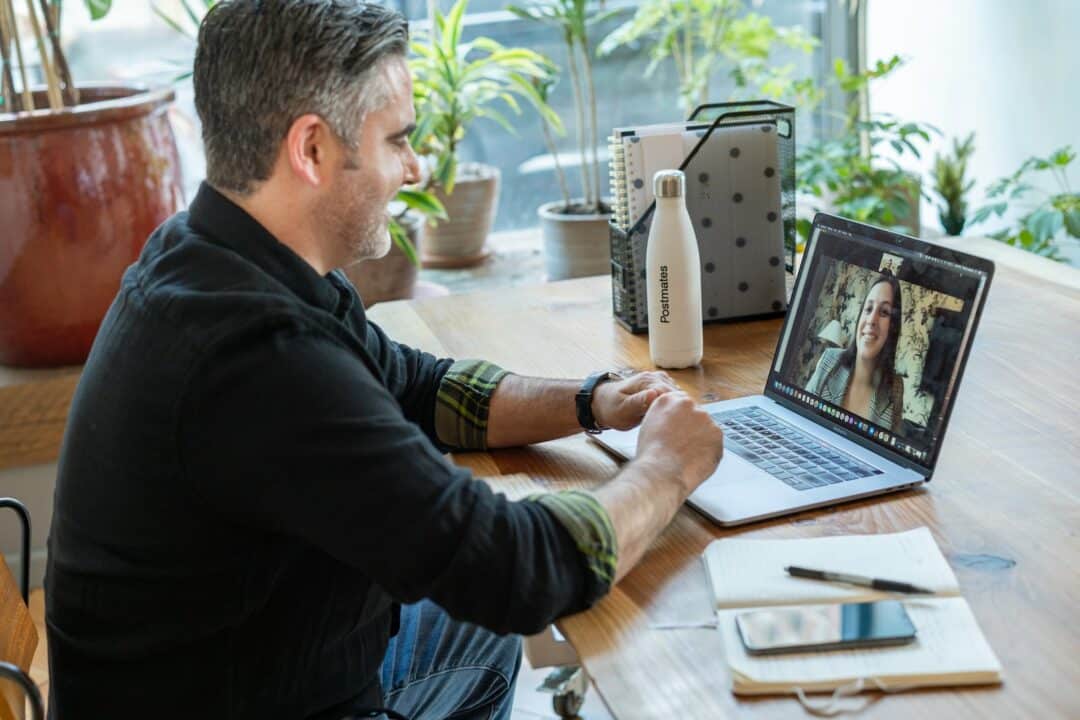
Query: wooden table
(1004, 504)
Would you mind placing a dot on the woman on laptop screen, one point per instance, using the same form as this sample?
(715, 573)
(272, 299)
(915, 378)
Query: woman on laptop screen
(861, 377)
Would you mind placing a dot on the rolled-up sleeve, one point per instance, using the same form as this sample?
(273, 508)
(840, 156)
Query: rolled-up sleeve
(589, 524)
(463, 402)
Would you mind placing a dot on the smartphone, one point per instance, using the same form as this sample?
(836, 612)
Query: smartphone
(824, 627)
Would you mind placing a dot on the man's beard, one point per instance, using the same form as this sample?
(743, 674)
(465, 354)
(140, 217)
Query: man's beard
(360, 225)
(369, 239)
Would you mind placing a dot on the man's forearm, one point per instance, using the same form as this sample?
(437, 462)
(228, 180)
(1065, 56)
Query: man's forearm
(641, 500)
(527, 410)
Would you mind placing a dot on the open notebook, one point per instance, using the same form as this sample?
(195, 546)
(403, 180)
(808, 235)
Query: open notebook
(949, 648)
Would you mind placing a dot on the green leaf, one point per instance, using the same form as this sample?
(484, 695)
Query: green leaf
(98, 8)
(499, 118)
(401, 239)
(170, 21)
(424, 124)
(1024, 239)
(423, 202)
(452, 28)
(194, 17)
(803, 227)
(1063, 157)
(1044, 224)
(446, 172)
(1072, 223)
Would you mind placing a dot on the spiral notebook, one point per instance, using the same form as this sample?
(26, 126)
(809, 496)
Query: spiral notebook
(949, 648)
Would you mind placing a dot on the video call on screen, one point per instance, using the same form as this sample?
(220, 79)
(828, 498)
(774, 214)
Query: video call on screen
(876, 341)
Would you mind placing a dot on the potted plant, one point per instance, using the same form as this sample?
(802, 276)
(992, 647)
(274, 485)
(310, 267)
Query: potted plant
(456, 83)
(575, 230)
(89, 171)
(952, 185)
(1054, 218)
(702, 36)
(851, 175)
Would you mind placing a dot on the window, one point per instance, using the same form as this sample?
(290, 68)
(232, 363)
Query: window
(624, 95)
(133, 44)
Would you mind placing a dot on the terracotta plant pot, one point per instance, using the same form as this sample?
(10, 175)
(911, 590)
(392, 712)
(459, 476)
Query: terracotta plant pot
(459, 241)
(392, 277)
(80, 191)
(575, 245)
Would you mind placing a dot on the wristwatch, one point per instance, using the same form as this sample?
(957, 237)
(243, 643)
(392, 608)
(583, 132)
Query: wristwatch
(584, 397)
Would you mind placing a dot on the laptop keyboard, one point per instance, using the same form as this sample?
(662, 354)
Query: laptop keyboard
(785, 452)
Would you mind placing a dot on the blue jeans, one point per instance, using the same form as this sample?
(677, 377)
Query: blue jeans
(437, 667)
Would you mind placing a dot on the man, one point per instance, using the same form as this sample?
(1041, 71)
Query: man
(252, 478)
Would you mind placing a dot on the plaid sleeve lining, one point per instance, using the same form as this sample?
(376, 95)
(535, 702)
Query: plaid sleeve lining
(461, 407)
(588, 523)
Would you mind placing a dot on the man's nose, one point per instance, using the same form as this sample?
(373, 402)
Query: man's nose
(412, 168)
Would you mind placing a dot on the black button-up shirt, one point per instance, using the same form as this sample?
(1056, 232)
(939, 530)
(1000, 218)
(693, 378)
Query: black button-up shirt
(250, 479)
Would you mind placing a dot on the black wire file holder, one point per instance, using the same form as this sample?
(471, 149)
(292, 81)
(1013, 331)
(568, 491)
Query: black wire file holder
(628, 245)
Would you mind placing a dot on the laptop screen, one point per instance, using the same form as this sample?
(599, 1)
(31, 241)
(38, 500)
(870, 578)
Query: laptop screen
(877, 334)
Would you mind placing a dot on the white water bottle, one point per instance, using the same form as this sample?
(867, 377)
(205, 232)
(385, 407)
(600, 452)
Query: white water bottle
(673, 271)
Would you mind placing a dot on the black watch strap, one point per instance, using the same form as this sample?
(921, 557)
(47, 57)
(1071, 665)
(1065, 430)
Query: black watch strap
(584, 397)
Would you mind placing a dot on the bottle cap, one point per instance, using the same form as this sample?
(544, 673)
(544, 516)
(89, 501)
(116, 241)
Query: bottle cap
(669, 183)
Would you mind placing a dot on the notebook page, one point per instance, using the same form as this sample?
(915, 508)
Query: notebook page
(750, 573)
(949, 649)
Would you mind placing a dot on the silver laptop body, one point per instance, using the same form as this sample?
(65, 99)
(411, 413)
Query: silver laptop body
(789, 450)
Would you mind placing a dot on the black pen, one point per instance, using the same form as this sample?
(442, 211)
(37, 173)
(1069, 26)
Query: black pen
(875, 583)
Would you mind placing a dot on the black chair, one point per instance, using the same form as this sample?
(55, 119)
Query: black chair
(18, 636)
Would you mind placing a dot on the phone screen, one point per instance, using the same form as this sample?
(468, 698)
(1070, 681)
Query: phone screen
(825, 627)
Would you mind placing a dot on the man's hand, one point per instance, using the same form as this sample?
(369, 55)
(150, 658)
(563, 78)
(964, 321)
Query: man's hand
(681, 437)
(621, 404)
(679, 446)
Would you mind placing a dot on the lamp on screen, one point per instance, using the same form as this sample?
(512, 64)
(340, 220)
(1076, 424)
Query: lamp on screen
(832, 334)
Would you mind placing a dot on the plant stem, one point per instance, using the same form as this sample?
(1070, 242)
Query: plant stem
(27, 97)
(56, 101)
(579, 107)
(8, 81)
(1063, 179)
(52, 25)
(592, 124)
(680, 69)
(688, 45)
(559, 174)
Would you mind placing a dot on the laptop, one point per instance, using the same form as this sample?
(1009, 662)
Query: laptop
(863, 380)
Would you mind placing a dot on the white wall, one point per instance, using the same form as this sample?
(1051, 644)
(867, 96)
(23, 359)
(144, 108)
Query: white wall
(1007, 69)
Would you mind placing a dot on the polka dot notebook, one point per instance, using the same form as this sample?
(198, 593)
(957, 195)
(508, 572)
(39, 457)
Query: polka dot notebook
(734, 197)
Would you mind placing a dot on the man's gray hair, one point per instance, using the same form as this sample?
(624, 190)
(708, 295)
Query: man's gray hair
(261, 64)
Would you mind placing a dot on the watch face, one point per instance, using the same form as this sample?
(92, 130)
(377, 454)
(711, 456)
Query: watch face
(583, 400)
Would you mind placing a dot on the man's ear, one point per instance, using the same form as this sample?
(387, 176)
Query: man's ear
(309, 149)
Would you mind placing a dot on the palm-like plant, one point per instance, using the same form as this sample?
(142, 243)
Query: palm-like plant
(859, 171)
(573, 19)
(951, 183)
(458, 82)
